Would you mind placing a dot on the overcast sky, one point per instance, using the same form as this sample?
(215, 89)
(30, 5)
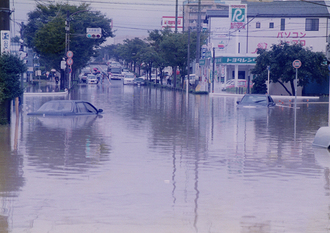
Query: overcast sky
(131, 18)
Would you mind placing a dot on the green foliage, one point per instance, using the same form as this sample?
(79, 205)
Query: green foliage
(280, 59)
(45, 32)
(259, 86)
(162, 48)
(10, 69)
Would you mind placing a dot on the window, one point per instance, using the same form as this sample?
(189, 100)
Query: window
(282, 24)
(312, 25)
(271, 25)
(258, 25)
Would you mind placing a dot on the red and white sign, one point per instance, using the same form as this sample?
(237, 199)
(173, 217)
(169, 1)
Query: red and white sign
(69, 54)
(169, 21)
(69, 61)
(296, 64)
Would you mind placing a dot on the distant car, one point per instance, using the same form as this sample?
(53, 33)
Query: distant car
(115, 73)
(240, 83)
(83, 77)
(155, 79)
(256, 101)
(129, 78)
(139, 81)
(92, 79)
(192, 79)
(66, 108)
(229, 83)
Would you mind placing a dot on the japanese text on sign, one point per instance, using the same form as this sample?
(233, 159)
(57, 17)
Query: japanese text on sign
(5, 41)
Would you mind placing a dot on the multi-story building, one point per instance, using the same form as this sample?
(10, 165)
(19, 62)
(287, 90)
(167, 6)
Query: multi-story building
(191, 11)
(263, 24)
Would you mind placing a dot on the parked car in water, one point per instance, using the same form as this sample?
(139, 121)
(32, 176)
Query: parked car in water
(228, 83)
(92, 79)
(129, 78)
(83, 77)
(66, 108)
(240, 83)
(256, 101)
(155, 79)
(192, 79)
(115, 72)
(139, 81)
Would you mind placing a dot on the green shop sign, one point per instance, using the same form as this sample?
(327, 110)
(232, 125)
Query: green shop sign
(235, 60)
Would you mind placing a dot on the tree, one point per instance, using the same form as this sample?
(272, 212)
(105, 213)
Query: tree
(155, 38)
(280, 59)
(175, 51)
(174, 47)
(45, 32)
(10, 87)
(130, 50)
(148, 57)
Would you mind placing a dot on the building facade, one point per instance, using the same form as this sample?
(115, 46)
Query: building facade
(262, 24)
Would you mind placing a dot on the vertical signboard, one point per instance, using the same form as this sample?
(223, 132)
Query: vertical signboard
(5, 41)
(238, 15)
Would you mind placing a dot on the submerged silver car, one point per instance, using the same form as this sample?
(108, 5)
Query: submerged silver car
(66, 108)
(256, 101)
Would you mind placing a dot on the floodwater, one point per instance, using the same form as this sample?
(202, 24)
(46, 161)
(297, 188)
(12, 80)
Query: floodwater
(155, 162)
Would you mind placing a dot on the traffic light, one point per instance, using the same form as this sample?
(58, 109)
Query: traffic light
(94, 33)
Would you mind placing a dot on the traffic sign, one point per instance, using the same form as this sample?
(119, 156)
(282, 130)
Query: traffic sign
(94, 33)
(69, 61)
(296, 64)
(69, 54)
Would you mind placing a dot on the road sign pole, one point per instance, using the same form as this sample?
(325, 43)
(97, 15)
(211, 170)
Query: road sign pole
(296, 64)
(329, 98)
(295, 89)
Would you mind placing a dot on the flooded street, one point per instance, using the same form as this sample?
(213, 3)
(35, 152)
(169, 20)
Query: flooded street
(155, 162)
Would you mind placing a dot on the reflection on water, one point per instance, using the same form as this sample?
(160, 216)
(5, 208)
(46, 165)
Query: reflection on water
(157, 163)
(68, 122)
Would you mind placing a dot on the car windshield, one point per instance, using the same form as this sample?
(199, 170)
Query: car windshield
(116, 70)
(252, 99)
(129, 76)
(56, 107)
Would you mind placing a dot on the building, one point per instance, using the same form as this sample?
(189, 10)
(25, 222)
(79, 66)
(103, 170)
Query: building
(191, 11)
(260, 25)
(169, 22)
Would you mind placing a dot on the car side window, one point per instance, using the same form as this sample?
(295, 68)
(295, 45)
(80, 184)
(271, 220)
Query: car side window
(81, 108)
(90, 108)
(270, 99)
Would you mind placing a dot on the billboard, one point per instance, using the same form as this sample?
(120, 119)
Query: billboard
(169, 21)
(238, 15)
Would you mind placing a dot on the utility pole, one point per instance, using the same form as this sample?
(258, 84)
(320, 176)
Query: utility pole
(198, 32)
(188, 65)
(5, 26)
(176, 15)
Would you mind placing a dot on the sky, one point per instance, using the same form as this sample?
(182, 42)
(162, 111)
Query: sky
(131, 18)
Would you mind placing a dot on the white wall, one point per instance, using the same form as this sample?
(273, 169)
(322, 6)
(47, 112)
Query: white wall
(265, 37)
